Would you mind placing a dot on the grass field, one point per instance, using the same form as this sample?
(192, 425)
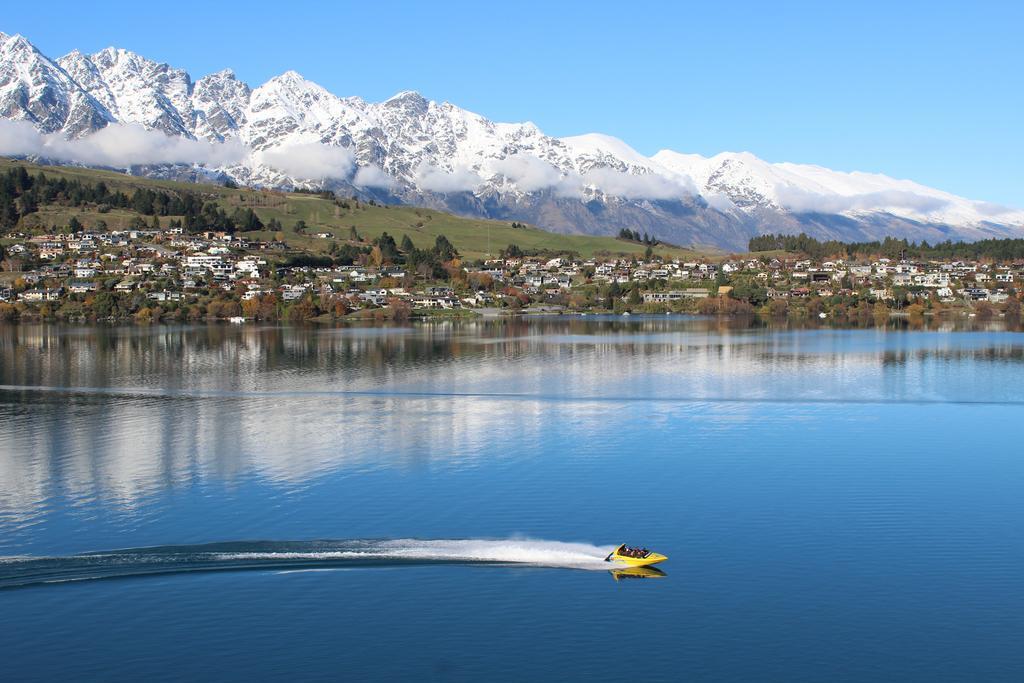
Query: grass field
(474, 238)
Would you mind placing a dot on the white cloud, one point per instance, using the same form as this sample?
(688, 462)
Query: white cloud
(19, 138)
(527, 172)
(637, 186)
(372, 176)
(719, 202)
(433, 179)
(124, 145)
(991, 209)
(803, 201)
(117, 145)
(310, 161)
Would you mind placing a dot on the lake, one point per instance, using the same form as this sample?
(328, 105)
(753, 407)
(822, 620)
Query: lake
(436, 501)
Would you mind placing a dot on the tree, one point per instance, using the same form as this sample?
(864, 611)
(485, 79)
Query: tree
(303, 310)
(400, 309)
(1012, 311)
(388, 248)
(241, 219)
(251, 308)
(880, 314)
(614, 292)
(444, 249)
(407, 244)
(915, 313)
(512, 251)
(748, 290)
(778, 308)
(634, 297)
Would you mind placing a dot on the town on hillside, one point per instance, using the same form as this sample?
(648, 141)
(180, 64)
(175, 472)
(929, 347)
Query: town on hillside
(165, 273)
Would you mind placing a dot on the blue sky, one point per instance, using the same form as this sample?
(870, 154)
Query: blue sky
(930, 91)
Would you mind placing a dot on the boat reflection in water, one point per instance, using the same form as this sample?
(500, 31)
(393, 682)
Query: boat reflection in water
(637, 573)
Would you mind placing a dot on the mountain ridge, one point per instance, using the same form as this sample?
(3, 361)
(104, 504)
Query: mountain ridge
(291, 131)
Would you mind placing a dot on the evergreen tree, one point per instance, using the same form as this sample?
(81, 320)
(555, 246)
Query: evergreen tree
(512, 251)
(388, 248)
(444, 249)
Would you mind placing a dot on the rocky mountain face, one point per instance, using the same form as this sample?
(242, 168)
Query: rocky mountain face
(36, 89)
(290, 131)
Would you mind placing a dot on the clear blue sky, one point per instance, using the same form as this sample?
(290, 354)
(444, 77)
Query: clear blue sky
(930, 91)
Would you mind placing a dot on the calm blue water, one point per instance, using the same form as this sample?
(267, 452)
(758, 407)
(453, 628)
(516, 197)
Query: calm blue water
(434, 502)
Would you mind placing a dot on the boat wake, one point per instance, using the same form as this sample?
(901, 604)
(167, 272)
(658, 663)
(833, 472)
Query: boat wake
(17, 572)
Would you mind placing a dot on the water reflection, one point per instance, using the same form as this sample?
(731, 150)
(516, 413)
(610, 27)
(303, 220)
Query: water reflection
(117, 415)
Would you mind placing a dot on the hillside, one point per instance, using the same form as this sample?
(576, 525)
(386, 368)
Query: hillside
(474, 238)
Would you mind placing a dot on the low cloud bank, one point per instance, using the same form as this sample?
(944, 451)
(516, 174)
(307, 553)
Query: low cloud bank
(117, 145)
(991, 209)
(638, 186)
(373, 176)
(433, 179)
(527, 173)
(720, 202)
(124, 145)
(802, 201)
(309, 161)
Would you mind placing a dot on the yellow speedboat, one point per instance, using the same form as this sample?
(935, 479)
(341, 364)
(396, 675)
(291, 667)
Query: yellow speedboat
(634, 557)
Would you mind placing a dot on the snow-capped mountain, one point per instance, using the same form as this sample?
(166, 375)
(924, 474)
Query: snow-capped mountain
(290, 131)
(36, 89)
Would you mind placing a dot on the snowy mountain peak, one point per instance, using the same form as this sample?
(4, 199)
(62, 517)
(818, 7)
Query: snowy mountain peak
(18, 42)
(407, 99)
(135, 89)
(290, 78)
(36, 89)
(410, 95)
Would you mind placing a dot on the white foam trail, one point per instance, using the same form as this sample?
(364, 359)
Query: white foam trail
(533, 552)
(518, 551)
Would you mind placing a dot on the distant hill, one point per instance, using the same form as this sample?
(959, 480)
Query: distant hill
(474, 238)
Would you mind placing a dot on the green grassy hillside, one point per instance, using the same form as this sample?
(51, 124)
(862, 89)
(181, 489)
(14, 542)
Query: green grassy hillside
(474, 238)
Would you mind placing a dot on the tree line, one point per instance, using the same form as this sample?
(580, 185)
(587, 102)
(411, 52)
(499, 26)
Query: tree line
(891, 247)
(635, 236)
(22, 194)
